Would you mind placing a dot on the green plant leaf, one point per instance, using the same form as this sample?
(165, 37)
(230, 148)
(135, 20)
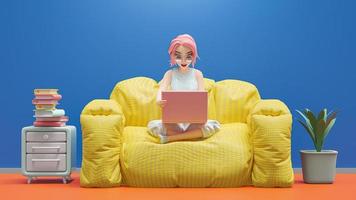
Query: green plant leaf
(322, 114)
(305, 111)
(325, 114)
(308, 126)
(307, 121)
(331, 117)
(319, 136)
(301, 114)
(311, 134)
(329, 126)
(311, 117)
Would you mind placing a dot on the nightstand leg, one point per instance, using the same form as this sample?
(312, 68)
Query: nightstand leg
(29, 179)
(69, 178)
(64, 180)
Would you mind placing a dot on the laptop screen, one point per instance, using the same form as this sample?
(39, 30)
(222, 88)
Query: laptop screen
(185, 107)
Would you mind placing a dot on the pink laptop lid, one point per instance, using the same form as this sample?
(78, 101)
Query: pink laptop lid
(185, 107)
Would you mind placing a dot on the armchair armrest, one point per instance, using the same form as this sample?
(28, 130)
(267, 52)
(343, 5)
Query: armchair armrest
(270, 122)
(102, 122)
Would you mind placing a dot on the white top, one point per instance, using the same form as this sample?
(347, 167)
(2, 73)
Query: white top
(184, 80)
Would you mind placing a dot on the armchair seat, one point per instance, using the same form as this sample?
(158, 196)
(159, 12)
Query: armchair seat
(223, 160)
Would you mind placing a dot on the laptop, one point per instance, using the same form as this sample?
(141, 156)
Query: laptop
(185, 107)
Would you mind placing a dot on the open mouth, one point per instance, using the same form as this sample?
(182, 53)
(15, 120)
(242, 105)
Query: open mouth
(184, 65)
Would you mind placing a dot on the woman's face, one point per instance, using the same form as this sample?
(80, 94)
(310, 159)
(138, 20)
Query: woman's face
(183, 56)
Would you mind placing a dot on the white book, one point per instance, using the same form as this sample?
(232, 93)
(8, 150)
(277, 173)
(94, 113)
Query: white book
(49, 113)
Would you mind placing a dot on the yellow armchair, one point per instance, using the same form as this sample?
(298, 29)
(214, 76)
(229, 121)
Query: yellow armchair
(252, 147)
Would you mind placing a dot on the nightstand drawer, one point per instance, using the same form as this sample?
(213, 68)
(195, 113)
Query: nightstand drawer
(32, 147)
(46, 136)
(46, 162)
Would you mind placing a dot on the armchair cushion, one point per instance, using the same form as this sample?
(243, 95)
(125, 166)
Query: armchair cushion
(234, 100)
(137, 96)
(223, 160)
(270, 123)
(209, 85)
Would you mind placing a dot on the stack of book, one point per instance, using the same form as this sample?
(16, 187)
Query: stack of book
(46, 113)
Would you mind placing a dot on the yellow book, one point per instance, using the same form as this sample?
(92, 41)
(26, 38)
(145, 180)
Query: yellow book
(45, 91)
(45, 107)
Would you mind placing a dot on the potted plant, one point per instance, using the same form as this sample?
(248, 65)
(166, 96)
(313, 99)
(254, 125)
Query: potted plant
(318, 166)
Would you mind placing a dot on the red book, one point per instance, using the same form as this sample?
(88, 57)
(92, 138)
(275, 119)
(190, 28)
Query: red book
(44, 101)
(56, 124)
(48, 96)
(52, 119)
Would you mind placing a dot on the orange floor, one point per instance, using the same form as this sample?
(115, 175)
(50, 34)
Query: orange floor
(13, 186)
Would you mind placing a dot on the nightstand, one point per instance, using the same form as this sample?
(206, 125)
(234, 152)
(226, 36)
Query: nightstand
(48, 151)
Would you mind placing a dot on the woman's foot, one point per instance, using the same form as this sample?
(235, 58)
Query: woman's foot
(163, 139)
(210, 128)
(155, 128)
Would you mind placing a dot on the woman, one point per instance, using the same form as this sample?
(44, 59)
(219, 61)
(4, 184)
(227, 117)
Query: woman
(183, 54)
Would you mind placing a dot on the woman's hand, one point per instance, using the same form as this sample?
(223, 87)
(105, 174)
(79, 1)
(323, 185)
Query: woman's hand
(161, 102)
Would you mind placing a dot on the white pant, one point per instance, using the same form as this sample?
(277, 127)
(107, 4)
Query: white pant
(156, 128)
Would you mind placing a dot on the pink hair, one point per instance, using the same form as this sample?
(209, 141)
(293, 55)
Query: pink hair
(185, 40)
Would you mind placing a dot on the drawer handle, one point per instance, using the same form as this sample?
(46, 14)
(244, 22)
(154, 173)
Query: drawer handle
(56, 147)
(45, 160)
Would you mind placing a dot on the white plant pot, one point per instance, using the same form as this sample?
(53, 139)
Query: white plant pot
(318, 167)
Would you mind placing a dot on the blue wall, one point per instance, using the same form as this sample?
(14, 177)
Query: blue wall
(302, 52)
